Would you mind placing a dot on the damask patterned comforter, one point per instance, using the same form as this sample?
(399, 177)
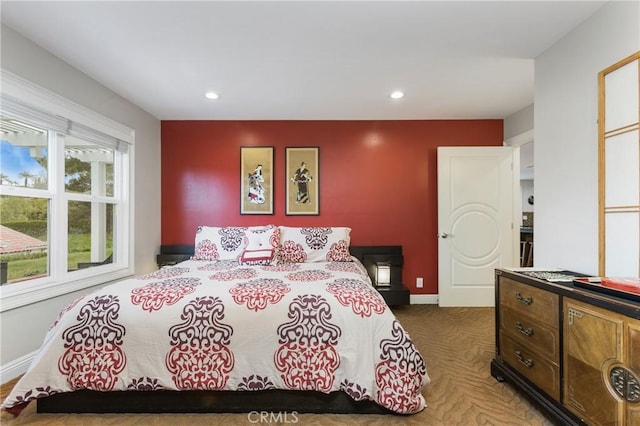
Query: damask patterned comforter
(218, 325)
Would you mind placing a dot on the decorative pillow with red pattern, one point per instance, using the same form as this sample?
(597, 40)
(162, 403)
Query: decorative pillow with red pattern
(314, 244)
(262, 246)
(216, 243)
(223, 243)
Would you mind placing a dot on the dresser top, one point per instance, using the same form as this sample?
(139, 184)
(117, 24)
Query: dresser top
(576, 285)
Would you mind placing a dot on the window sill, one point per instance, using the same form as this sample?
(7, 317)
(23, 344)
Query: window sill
(14, 296)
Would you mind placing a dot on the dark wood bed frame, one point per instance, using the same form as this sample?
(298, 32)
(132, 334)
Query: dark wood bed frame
(86, 401)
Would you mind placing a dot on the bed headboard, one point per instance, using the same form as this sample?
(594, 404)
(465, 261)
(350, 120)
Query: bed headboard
(368, 255)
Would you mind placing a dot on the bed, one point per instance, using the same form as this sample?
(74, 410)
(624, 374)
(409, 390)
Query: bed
(282, 319)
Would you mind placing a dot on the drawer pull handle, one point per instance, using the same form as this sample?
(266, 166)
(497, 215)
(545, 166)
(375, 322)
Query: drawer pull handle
(526, 362)
(524, 300)
(526, 331)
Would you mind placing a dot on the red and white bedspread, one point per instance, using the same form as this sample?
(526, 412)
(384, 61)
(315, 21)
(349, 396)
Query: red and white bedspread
(218, 325)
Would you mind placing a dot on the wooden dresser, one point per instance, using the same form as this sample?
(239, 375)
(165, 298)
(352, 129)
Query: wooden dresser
(572, 351)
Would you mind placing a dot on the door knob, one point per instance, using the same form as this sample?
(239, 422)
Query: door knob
(443, 235)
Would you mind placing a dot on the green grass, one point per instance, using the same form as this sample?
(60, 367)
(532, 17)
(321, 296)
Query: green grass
(24, 266)
(36, 266)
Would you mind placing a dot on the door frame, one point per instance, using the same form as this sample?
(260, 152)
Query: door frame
(520, 140)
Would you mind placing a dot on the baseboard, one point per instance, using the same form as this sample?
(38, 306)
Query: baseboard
(16, 368)
(423, 299)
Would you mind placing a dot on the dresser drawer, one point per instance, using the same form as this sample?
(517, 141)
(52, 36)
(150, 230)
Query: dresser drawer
(531, 333)
(540, 371)
(532, 301)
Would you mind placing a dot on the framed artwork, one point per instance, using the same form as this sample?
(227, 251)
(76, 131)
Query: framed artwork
(256, 180)
(303, 181)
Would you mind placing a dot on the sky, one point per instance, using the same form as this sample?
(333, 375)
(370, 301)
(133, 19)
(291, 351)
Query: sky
(16, 159)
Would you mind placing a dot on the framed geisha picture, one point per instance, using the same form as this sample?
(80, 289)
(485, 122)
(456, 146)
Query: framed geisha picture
(303, 181)
(256, 180)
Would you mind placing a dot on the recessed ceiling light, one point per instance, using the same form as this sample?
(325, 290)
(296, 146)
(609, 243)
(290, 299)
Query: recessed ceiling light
(397, 94)
(211, 95)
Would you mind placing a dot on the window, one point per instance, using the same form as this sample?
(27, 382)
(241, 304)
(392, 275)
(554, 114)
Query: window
(65, 199)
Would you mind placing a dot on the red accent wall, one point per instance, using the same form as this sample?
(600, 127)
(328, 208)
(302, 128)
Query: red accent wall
(377, 177)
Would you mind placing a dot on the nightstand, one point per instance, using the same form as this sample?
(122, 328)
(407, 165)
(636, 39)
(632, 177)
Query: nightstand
(394, 294)
(172, 254)
(170, 259)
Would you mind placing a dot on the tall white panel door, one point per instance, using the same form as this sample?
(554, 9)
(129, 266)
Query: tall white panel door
(478, 188)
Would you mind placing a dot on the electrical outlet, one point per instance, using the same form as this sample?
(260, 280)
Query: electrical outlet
(419, 282)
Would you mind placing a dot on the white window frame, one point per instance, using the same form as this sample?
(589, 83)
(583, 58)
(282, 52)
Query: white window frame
(60, 281)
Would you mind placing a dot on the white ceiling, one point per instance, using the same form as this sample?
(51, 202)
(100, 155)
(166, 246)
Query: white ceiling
(306, 60)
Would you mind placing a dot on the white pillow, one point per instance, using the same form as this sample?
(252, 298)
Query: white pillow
(215, 243)
(314, 244)
(262, 246)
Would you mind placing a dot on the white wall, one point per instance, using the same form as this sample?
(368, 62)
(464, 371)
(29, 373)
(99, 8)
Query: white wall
(518, 122)
(23, 329)
(566, 135)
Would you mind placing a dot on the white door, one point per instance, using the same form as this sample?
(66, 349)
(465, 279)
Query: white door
(478, 189)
